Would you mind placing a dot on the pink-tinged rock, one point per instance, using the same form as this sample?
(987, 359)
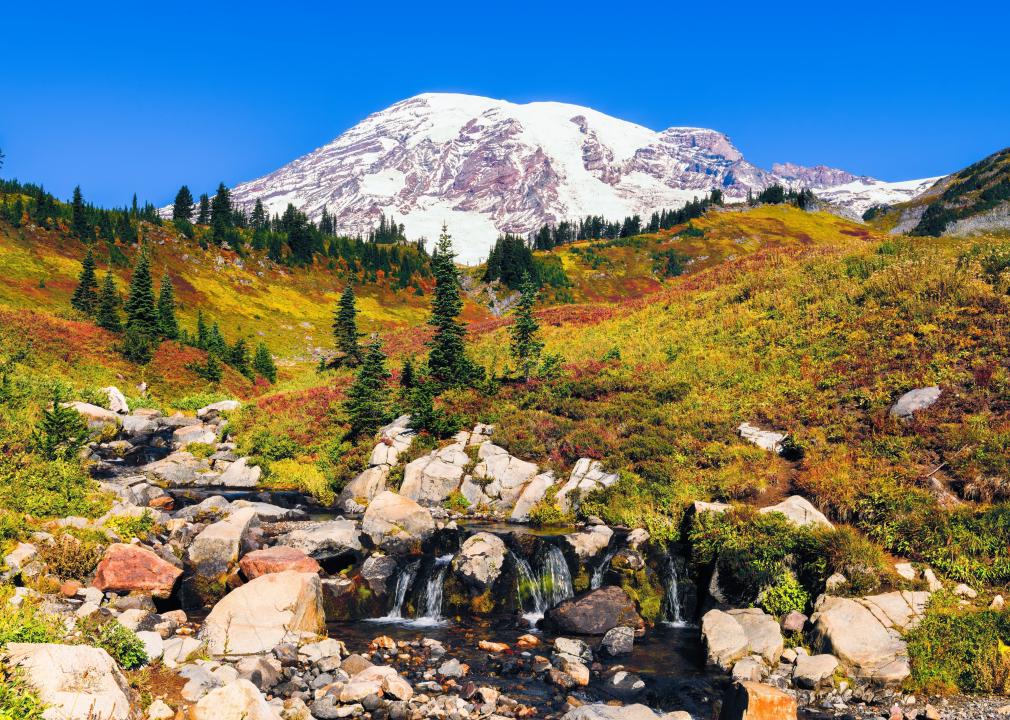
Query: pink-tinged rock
(276, 559)
(130, 568)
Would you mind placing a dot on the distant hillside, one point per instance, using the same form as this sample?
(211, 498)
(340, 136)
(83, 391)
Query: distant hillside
(974, 199)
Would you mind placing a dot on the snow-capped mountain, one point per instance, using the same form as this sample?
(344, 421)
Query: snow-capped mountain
(486, 166)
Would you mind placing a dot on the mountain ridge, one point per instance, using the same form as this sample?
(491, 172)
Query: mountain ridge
(486, 166)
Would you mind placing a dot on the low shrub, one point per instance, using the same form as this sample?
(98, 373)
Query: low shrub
(18, 700)
(954, 649)
(116, 639)
(303, 476)
(69, 558)
(128, 527)
(784, 595)
(26, 624)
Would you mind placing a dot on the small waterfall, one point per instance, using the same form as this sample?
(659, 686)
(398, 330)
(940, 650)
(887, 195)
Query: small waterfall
(528, 587)
(403, 584)
(555, 579)
(597, 579)
(549, 585)
(430, 602)
(671, 603)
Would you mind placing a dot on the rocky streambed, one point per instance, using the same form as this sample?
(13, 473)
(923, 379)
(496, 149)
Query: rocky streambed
(265, 605)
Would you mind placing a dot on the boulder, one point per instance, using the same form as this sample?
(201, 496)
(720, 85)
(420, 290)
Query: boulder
(267, 611)
(724, 639)
(138, 425)
(20, 556)
(377, 571)
(764, 439)
(764, 637)
(276, 559)
(117, 401)
(240, 474)
(180, 469)
(811, 670)
(480, 559)
(751, 668)
(393, 440)
(595, 612)
(131, 568)
(754, 701)
(503, 476)
(95, 416)
(599, 711)
(847, 629)
(531, 494)
(78, 682)
(619, 641)
(209, 412)
(328, 539)
(915, 401)
(188, 435)
(590, 542)
(238, 700)
(360, 491)
(429, 480)
(219, 546)
(396, 523)
(391, 683)
(587, 475)
(636, 538)
(800, 511)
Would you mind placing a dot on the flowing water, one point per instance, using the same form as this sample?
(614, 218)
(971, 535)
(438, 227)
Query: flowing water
(404, 581)
(596, 580)
(549, 585)
(671, 604)
(430, 602)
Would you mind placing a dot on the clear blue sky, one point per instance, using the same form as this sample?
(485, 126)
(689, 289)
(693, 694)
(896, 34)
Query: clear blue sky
(129, 97)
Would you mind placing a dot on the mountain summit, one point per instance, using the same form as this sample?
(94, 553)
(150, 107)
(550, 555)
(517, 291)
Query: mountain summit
(487, 166)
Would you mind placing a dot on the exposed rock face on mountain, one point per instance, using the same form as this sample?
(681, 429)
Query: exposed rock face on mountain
(487, 166)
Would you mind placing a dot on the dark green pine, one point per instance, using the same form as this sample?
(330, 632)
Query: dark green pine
(141, 312)
(85, 297)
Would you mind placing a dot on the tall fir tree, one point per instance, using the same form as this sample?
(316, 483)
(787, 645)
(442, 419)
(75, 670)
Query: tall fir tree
(85, 297)
(79, 224)
(168, 325)
(201, 331)
(203, 210)
(221, 212)
(345, 327)
(263, 363)
(526, 345)
(141, 312)
(215, 341)
(108, 305)
(447, 361)
(259, 215)
(238, 358)
(183, 207)
(367, 404)
(61, 432)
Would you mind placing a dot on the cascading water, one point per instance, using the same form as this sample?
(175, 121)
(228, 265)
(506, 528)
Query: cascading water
(597, 579)
(671, 604)
(539, 591)
(403, 584)
(430, 603)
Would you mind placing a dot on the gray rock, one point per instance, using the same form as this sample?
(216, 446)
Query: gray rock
(532, 493)
(429, 480)
(764, 439)
(396, 523)
(724, 639)
(763, 635)
(619, 641)
(220, 545)
(377, 571)
(590, 542)
(587, 475)
(750, 669)
(915, 401)
(331, 538)
(799, 511)
(480, 559)
(811, 671)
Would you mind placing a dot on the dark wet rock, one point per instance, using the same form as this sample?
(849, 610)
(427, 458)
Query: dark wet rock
(595, 612)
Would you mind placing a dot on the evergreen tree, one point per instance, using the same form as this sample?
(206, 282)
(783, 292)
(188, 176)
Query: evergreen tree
(136, 346)
(263, 363)
(259, 216)
(367, 404)
(210, 370)
(203, 210)
(61, 432)
(345, 327)
(168, 326)
(215, 342)
(526, 346)
(447, 361)
(183, 207)
(79, 224)
(407, 375)
(141, 313)
(221, 212)
(108, 305)
(85, 297)
(201, 331)
(238, 358)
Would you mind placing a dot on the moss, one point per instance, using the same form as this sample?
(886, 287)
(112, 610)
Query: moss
(581, 580)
